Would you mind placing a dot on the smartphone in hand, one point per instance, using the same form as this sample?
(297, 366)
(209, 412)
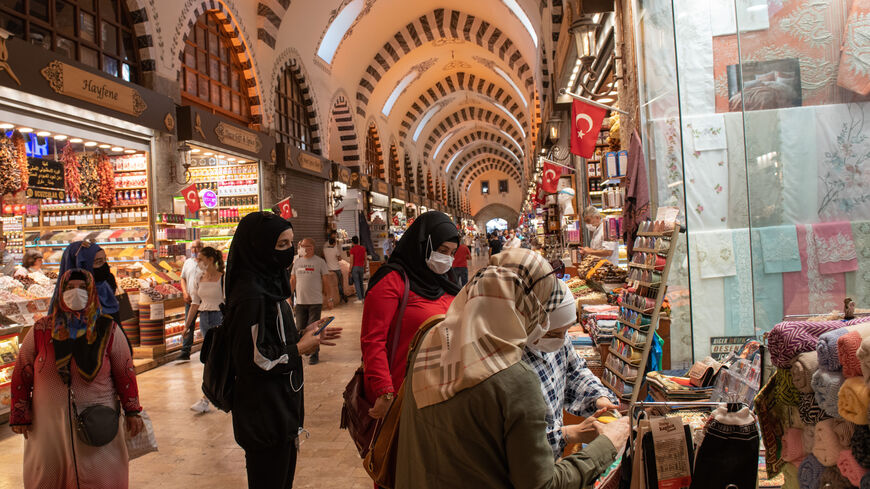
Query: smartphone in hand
(321, 324)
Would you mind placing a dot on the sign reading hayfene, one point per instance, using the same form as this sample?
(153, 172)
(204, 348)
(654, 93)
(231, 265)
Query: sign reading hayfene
(77, 83)
(238, 137)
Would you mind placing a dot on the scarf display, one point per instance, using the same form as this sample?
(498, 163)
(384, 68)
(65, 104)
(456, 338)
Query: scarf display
(809, 472)
(826, 387)
(486, 327)
(808, 437)
(785, 391)
(850, 468)
(860, 444)
(853, 400)
(253, 269)
(793, 445)
(636, 207)
(847, 351)
(829, 441)
(423, 237)
(809, 410)
(802, 370)
(835, 247)
(863, 355)
(827, 349)
(791, 338)
(790, 475)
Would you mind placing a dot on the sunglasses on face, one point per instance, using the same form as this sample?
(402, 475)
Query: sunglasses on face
(558, 267)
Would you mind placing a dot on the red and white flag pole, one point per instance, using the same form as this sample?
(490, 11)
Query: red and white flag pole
(591, 102)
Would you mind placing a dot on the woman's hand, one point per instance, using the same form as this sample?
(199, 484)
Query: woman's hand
(573, 432)
(382, 405)
(134, 424)
(328, 335)
(22, 429)
(308, 343)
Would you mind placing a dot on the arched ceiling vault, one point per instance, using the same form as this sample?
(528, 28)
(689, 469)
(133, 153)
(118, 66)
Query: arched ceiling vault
(468, 116)
(483, 164)
(464, 157)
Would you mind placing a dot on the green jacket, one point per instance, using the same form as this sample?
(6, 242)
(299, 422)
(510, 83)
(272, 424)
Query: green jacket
(492, 435)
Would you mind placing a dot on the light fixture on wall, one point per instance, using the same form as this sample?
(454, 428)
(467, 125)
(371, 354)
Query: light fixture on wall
(184, 150)
(553, 130)
(585, 32)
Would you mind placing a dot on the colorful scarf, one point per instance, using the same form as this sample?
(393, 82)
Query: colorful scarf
(847, 351)
(850, 468)
(860, 444)
(829, 441)
(827, 349)
(486, 327)
(809, 472)
(853, 400)
(802, 370)
(809, 410)
(791, 338)
(793, 445)
(863, 354)
(82, 335)
(784, 390)
(826, 387)
(69, 324)
(832, 479)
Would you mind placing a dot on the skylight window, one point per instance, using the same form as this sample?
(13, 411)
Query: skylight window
(429, 114)
(524, 19)
(337, 29)
(511, 82)
(388, 105)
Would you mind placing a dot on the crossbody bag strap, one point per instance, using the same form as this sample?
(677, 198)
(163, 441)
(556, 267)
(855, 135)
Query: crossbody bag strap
(396, 327)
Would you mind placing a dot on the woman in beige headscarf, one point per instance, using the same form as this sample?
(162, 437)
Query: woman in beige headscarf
(473, 413)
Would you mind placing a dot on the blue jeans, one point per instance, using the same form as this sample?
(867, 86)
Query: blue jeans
(187, 338)
(461, 275)
(209, 320)
(340, 284)
(356, 274)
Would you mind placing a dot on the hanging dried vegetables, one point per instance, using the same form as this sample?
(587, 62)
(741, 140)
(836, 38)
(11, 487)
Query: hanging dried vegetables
(90, 180)
(10, 172)
(20, 145)
(107, 181)
(71, 172)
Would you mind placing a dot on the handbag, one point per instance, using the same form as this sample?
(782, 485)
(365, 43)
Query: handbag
(380, 461)
(218, 373)
(95, 426)
(143, 443)
(125, 308)
(355, 409)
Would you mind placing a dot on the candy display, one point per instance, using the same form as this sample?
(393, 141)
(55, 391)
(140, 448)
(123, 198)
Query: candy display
(152, 294)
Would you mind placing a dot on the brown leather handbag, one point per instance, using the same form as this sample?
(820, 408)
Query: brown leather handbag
(380, 461)
(355, 410)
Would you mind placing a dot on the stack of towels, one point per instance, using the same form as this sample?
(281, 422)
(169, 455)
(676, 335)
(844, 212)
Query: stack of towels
(824, 400)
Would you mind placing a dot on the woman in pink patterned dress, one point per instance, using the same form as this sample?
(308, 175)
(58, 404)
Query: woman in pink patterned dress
(73, 345)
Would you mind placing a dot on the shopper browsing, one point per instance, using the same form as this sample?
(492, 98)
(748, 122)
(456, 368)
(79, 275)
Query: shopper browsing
(490, 419)
(359, 263)
(494, 245)
(422, 257)
(32, 262)
(206, 300)
(460, 264)
(512, 241)
(190, 274)
(597, 245)
(267, 349)
(566, 382)
(333, 256)
(74, 351)
(7, 259)
(91, 257)
(308, 282)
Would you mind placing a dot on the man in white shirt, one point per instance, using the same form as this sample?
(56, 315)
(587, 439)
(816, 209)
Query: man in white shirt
(308, 280)
(190, 275)
(512, 241)
(597, 246)
(333, 255)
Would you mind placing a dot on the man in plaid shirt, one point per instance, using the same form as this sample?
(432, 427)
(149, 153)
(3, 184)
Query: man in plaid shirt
(566, 382)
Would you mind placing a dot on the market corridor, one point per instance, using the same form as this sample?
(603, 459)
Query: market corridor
(198, 451)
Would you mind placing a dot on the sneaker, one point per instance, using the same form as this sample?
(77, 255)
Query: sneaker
(201, 406)
(184, 357)
(314, 359)
(358, 301)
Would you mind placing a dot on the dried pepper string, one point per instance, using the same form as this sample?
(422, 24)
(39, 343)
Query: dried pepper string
(20, 146)
(107, 181)
(71, 171)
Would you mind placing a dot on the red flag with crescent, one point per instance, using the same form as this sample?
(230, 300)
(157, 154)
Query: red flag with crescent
(550, 178)
(285, 208)
(540, 196)
(586, 122)
(191, 197)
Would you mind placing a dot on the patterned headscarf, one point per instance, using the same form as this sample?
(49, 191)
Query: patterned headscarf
(69, 324)
(486, 326)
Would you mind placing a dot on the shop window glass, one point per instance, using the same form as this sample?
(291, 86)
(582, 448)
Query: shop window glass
(374, 161)
(40, 36)
(110, 65)
(221, 87)
(65, 18)
(294, 126)
(39, 9)
(484, 187)
(89, 56)
(110, 38)
(503, 186)
(753, 117)
(65, 46)
(87, 29)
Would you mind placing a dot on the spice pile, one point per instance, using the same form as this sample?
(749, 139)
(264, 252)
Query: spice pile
(599, 270)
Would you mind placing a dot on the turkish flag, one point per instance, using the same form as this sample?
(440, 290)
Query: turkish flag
(285, 208)
(191, 197)
(551, 178)
(540, 197)
(586, 123)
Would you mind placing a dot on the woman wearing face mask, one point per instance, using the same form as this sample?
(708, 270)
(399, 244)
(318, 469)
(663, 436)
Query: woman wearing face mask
(206, 299)
(472, 414)
(91, 257)
(566, 382)
(73, 353)
(425, 256)
(267, 349)
(597, 245)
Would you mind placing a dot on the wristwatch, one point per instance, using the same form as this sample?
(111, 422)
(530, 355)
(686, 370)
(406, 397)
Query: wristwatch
(389, 396)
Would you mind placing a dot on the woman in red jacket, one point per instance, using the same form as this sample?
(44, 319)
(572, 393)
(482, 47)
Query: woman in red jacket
(424, 256)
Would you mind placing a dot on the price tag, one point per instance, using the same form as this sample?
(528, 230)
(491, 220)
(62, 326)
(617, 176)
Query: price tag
(671, 453)
(157, 311)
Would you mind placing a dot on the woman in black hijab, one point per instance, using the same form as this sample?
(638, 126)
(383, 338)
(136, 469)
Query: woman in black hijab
(267, 349)
(423, 258)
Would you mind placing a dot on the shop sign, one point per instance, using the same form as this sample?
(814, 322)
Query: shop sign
(721, 346)
(310, 163)
(45, 179)
(360, 180)
(209, 198)
(381, 187)
(238, 137)
(77, 83)
(296, 159)
(341, 174)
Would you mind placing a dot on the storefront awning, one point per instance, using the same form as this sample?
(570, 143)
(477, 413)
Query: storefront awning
(197, 125)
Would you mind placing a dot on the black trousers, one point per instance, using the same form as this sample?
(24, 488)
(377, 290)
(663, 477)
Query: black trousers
(273, 468)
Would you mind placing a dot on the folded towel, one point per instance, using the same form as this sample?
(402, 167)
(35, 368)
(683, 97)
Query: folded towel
(792, 445)
(791, 338)
(847, 350)
(853, 400)
(850, 468)
(784, 390)
(809, 410)
(832, 479)
(827, 349)
(826, 386)
(808, 437)
(809, 472)
(860, 444)
(802, 370)
(790, 473)
(864, 356)
(827, 444)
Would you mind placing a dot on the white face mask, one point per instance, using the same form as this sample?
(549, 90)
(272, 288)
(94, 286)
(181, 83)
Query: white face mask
(548, 345)
(75, 299)
(439, 262)
(538, 332)
(591, 228)
(202, 266)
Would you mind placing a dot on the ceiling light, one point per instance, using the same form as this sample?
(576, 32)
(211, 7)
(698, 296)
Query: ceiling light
(231, 159)
(75, 140)
(59, 137)
(25, 129)
(208, 153)
(117, 148)
(6, 125)
(129, 151)
(105, 146)
(195, 150)
(43, 134)
(91, 144)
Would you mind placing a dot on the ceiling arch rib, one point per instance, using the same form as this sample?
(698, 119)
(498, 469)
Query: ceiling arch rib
(434, 148)
(485, 162)
(463, 149)
(479, 137)
(457, 83)
(443, 25)
(473, 115)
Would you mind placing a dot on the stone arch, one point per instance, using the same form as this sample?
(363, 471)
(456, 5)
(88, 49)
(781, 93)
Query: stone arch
(478, 136)
(290, 59)
(495, 210)
(373, 143)
(472, 115)
(146, 30)
(342, 134)
(481, 148)
(445, 26)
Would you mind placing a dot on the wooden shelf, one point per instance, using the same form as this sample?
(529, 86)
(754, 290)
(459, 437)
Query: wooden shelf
(641, 283)
(618, 374)
(641, 266)
(618, 355)
(659, 234)
(618, 392)
(643, 329)
(635, 309)
(629, 343)
(87, 227)
(647, 250)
